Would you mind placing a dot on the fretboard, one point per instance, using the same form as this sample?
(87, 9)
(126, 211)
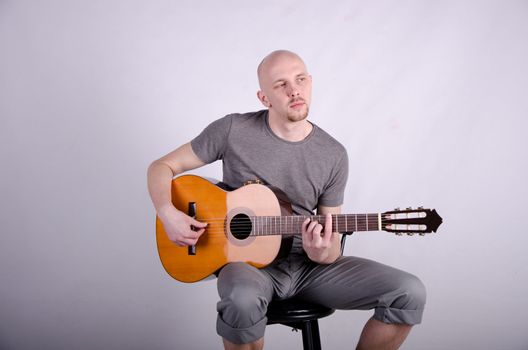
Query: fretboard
(291, 225)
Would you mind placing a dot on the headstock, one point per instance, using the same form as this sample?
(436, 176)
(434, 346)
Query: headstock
(411, 221)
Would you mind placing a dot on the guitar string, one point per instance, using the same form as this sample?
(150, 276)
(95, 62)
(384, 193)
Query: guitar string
(286, 229)
(268, 222)
(287, 223)
(373, 226)
(222, 233)
(299, 218)
(343, 219)
(278, 220)
(282, 224)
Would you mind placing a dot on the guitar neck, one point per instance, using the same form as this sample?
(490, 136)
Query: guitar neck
(291, 225)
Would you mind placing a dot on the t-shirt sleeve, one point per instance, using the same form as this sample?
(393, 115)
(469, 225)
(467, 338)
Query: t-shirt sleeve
(211, 143)
(334, 193)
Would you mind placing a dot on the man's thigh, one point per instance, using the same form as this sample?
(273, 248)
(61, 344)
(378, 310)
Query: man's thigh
(352, 283)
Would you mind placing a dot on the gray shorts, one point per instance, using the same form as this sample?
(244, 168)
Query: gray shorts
(350, 283)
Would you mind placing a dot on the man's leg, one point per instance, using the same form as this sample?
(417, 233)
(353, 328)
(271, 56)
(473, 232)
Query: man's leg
(377, 335)
(256, 345)
(244, 296)
(397, 297)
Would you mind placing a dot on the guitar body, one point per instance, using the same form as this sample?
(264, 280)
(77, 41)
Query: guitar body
(218, 245)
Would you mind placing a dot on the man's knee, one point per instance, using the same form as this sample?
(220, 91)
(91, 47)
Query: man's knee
(245, 304)
(405, 303)
(412, 294)
(243, 298)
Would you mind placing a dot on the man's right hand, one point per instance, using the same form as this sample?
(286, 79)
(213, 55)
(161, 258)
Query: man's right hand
(177, 225)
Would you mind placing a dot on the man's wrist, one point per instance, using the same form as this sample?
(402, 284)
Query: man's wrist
(166, 210)
(325, 257)
(328, 256)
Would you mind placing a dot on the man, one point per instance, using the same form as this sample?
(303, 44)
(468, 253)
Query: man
(280, 147)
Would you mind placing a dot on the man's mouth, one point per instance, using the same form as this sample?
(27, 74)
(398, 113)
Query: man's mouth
(297, 104)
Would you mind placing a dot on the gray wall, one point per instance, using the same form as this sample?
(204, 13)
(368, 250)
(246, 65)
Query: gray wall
(429, 98)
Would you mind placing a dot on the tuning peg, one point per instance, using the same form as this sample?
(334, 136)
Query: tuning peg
(420, 207)
(422, 233)
(398, 234)
(410, 233)
(408, 208)
(397, 208)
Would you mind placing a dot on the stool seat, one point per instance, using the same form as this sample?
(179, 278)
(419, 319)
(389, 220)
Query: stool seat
(295, 310)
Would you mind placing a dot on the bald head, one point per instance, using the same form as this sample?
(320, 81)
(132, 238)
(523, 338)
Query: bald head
(271, 60)
(285, 86)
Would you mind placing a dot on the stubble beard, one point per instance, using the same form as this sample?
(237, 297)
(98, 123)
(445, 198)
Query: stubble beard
(298, 116)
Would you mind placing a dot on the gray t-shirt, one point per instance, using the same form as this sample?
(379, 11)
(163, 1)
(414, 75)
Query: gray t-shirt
(311, 172)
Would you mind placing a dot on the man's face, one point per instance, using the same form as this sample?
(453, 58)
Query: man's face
(286, 87)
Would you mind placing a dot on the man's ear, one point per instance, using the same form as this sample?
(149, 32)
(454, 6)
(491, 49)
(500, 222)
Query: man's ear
(263, 99)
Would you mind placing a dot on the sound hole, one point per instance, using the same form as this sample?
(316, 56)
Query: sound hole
(241, 226)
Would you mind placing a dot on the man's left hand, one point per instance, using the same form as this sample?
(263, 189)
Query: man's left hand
(318, 241)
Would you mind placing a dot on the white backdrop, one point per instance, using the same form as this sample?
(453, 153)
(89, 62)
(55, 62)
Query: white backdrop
(429, 98)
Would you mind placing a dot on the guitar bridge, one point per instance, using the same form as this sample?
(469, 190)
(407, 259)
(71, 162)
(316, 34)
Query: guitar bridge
(191, 250)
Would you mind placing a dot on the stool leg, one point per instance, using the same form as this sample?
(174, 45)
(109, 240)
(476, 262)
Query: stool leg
(310, 335)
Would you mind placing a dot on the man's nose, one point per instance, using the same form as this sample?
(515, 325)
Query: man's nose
(292, 91)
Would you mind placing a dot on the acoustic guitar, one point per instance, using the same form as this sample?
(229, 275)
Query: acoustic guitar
(248, 224)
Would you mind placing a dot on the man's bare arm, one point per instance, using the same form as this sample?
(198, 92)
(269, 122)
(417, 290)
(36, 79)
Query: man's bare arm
(160, 174)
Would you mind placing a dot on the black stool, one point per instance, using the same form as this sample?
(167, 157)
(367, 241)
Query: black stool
(302, 315)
